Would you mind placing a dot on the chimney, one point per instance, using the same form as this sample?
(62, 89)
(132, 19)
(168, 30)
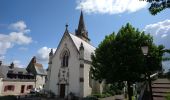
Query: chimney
(34, 59)
(12, 65)
(0, 63)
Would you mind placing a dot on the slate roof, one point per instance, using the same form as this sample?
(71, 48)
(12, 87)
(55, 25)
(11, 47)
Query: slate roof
(35, 68)
(39, 69)
(88, 48)
(4, 70)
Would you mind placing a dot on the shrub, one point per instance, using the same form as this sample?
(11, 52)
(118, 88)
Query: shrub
(90, 98)
(52, 94)
(72, 96)
(168, 96)
(101, 95)
(116, 88)
(107, 95)
(48, 94)
(97, 95)
(9, 97)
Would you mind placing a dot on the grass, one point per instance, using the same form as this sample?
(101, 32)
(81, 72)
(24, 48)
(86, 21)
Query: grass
(168, 96)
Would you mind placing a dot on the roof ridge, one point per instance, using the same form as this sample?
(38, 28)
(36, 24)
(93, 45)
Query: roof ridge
(82, 39)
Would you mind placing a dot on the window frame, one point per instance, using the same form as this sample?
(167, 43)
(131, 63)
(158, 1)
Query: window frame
(9, 88)
(29, 87)
(65, 58)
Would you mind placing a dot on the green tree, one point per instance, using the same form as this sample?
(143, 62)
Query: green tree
(119, 57)
(158, 5)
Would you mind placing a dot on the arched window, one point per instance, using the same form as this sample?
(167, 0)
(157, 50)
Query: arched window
(64, 61)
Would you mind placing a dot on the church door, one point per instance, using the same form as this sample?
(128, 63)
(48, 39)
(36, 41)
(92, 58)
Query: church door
(62, 90)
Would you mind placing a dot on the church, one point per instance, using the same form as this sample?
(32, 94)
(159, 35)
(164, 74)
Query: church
(69, 66)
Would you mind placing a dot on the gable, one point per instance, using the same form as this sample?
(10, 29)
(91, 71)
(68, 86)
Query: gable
(31, 69)
(64, 41)
(88, 48)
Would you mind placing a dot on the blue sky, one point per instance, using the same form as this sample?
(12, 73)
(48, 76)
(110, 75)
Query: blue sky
(32, 27)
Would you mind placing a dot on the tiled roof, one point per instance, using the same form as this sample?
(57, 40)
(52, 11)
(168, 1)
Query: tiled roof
(88, 48)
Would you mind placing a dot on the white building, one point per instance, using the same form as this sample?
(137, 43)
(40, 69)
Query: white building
(69, 66)
(38, 71)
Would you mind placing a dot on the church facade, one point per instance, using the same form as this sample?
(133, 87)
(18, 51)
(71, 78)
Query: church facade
(69, 66)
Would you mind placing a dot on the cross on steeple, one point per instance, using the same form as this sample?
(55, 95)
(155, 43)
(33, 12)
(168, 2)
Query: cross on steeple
(66, 30)
(81, 32)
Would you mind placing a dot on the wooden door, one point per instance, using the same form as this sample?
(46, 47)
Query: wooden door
(62, 90)
(22, 88)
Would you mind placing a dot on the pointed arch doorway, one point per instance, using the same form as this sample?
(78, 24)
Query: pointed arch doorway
(62, 90)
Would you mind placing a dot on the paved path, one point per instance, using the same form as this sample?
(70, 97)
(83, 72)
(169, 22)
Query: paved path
(160, 88)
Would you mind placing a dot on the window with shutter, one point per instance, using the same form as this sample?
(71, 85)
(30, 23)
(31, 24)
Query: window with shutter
(9, 88)
(29, 87)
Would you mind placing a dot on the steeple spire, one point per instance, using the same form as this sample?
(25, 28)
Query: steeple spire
(81, 32)
(81, 25)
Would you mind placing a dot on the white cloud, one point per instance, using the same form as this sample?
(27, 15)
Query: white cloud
(4, 46)
(160, 32)
(110, 6)
(19, 26)
(164, 35)
(43, 54)
(17, 63)
(17, 37)
(159, 28)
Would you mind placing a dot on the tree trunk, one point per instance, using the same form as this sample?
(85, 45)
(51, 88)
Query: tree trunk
(129, 91)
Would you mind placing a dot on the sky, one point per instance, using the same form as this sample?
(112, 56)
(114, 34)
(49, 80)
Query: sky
(32, 27)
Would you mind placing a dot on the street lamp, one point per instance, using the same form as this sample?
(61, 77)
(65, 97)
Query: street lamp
(145, 50)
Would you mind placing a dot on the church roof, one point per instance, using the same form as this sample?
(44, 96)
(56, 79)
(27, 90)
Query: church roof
(88, 48)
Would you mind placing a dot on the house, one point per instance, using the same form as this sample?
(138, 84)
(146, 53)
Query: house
(37, 70)
(69, 67)
(14, 80)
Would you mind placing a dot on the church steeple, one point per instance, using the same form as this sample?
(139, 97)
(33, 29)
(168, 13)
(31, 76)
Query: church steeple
(81, 32)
